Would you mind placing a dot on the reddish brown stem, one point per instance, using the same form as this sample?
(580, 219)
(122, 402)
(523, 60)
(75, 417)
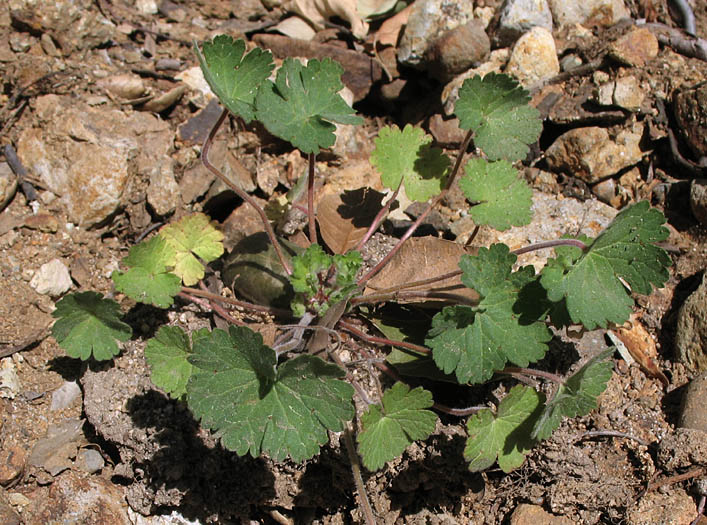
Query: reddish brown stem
(243, 304)
(310, 201)
(242, 194)
(214, 306)
(379, 218)
(551, 244)
(461, 412)
(467, 140)
(381, 340)
(533, 373)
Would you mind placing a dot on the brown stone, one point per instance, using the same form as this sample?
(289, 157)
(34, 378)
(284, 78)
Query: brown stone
(44, 222)
(75, 499)
(446, 131)
(12, 463)
(690, 107)
(458, 50)
(635, 48)
(526, 514)
(592, 155)
(87, 155)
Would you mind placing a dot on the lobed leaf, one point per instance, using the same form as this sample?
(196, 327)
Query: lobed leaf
(303, 102)
(504, 199)
(191, 237)
(577, 396)
(386, 433)
(87, 324)
(591, 282)
(233, 77)
(256, 406)
(147, 279)
(475, 341)
(504, 436)
(408, 157)
(496, 108)
(167, 354)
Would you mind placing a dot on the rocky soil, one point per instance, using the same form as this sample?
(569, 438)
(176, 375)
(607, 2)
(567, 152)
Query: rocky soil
(103, 111)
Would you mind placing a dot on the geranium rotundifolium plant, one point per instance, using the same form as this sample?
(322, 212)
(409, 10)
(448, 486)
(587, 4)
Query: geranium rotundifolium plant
(284, 400)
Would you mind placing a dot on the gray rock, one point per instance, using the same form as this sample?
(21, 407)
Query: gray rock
(90, 460)
(552, 218)
(86, 155)
(8, 184)
(52, 279)
(693, 412)
(628, 93)
(592, 155)
(698, 199)
(53, 452)
(602, 12)
(625, 92)
(457, 50)
(163, 191)
(428, 20)
(691, 331)
(534, 57)
(518, 16)
(63, 396)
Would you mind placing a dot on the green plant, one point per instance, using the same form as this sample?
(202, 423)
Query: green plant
(283, 400)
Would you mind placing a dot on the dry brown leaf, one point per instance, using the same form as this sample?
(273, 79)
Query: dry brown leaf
(295, 27)
(345, 217)
(642, 348)
(374, 8)
(389, 31)
(318, 12)
(424, 258)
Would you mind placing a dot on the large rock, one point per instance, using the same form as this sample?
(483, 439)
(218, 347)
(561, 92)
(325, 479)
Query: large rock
(587, 12)
(86, 155)
(519, 16)
(428, 20)
(457, 50)
(553, 217)
(73, 24)
(534, 57)
(691, 332)
(8, 184)
(698, 199)
(592, 154)
(690, 107)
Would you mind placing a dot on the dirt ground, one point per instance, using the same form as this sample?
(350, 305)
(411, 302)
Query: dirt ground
(157, 462)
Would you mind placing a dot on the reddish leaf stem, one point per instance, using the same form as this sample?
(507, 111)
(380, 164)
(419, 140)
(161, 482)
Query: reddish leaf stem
(310, 201)
(236, 302)
(238, 191)
(462, 150)
(413, 284)
(379, 218)
(461, 412)
(533, 373)
(348, 327)
(214, 306)
(551, 244)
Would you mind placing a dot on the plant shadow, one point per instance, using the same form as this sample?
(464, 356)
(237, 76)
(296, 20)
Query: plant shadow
(181, 466)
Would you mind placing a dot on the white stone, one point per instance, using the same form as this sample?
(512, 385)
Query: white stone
(519, 16)
(52, 279)
(602, 12)
(534, 57)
